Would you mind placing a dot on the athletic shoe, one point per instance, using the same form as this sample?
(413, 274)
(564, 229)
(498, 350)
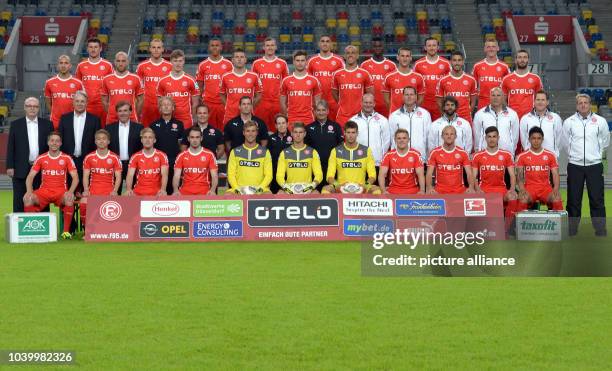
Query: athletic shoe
(66, 236)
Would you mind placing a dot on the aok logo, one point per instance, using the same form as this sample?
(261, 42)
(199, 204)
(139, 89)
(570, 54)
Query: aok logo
(52, 28)
(33, 226)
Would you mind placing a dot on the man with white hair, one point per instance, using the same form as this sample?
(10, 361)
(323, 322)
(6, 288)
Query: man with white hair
(27, 139)
(588, 138)
(349, 85)
(60, 89)
(502, 117)
(373, 131)
(122, 86)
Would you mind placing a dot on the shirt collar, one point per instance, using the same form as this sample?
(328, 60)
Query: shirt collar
(490, 109)
(584, 118)
(363, 114)
(404, 110)
(79, 114)
(124, 124)
(35, 121)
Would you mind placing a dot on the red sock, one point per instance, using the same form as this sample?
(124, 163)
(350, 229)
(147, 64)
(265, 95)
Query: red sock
(557, 205)
(68, 213)
(31, 209)
(510, 211)
(522, 206)
(83, 210)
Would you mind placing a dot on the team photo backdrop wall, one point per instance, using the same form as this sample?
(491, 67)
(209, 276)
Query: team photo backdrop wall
(288, 217)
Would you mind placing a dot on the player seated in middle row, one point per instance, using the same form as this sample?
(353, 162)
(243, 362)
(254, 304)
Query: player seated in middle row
(299, 166)
(405, 166)
(352, 162)
(249, 166)
(448, 162)
(150, 166)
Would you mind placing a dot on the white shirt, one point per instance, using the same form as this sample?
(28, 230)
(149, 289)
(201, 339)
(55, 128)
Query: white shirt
(551, 125)
(417, 122)
(506, 122)
(374, 133)
(79, 126)
(32, 126)
(587, 137)
(124, 133)
(464, 133)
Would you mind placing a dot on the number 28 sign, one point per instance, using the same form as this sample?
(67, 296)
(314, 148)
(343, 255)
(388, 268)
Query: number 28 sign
(549, 29)
(49, 30)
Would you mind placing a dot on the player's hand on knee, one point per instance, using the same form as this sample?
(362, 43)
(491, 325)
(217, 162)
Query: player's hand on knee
(162, 192)
(129, 192)
(68, 197)
(84, 194)
(470, 190)
(511, 194)
(113, 193)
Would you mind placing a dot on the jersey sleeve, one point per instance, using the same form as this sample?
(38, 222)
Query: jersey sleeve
(117, 165)
(47, 89)
(281, 169)
(37, 164)
(70, 164)
(334, 81)
(104, 88)
(385, 86)
(508, 161)
(139, 86)
(212, 161)
(368, 81)
(163, 161)
(258, 85)
(222, 86)
(133, 164)
(86, 163)
(317, 88)
(199, 75)
(160, 91)
(283, 88)
(419, 162)
(371, 165)
(178, 163)
(77, 73)
(386, 161)
(465, 159)
(232, 168)
(331, 165)
(431, 160)
(317, 170)
(439, 92)
(474, 88)
(553, 163)
(268, 171)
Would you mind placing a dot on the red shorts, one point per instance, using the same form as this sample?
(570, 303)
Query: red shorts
(382, 109)
(48, 196)
(145, 191)
(448, 190)
(539, 194)
(150, 112)
(93, 191)
(216, 111)
(192, 191)
(402, 191)
(433, 109)
(185, 118)
(266, 110)
(333, 109)
(500, 190)
(342, 118)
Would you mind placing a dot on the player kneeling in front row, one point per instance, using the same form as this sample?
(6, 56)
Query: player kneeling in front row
(352, 162)
(534, 170)
(101, 172)
(151, 167)
(448, 161)
(299, 166)
(249, 166)
(53, 166)
(492, 164)
(405, 166)
(197, 166)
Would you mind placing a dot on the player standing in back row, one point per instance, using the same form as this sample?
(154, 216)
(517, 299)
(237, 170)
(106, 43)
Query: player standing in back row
(237, 84)
(322, 67)
(271, 71)
(396, 82)
(521, 85)
(489, 72)
(150, 72)
(432, 67)
(349, 85)
(122, 86)
(460, 85)
(60, 89)
(300, 91)
(379, 68)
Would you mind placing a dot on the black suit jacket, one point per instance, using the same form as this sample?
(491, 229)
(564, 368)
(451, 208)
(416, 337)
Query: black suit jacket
(134, 143)
(18, 148)
(66, 128)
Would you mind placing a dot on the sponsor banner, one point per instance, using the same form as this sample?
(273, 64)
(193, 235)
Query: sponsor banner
(420, 207)
(367, 206)
(31, 227)
(165, 209)
(164, 229)
(367, 227)
(217, 229)
(217, 208)
(293, 212)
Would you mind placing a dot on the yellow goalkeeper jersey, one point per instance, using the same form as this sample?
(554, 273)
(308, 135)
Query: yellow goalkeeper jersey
(249, 167)
(299, 166)
(351, 165)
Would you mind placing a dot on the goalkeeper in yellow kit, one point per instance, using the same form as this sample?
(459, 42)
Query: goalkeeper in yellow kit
(299, 166)
(249, 166)
(351, 167)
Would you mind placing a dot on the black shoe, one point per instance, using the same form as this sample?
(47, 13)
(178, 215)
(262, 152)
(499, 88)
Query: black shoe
(602, 233)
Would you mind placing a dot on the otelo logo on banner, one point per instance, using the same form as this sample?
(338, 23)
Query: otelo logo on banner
(164, 229)
(165, 209)
(33, 226)
(293, 212)
(368, 206)
(420, 207)
(217, 229)
(217, 208)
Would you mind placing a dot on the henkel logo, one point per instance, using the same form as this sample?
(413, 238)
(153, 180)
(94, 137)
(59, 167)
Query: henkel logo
(475, 207)
(110, 211)
(52, 28)
(541, 27)
(164, 209)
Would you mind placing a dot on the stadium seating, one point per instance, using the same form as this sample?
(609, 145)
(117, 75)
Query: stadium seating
(492, 15)
(189, 24)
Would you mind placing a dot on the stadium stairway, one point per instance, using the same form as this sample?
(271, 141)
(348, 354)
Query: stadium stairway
(126, 26)
(17, 110)
(467, 28)
(603, 16)
(564, 102)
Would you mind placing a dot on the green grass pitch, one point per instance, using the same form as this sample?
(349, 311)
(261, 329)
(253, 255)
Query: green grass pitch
(210, 306)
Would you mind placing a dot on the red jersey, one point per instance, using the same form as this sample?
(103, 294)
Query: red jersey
(271, 73)
(119, 88)
(323, 69)
(395, 83)
(351, 85)
(432, 72)
(448, 167)
(463, 88)
(521, 91)
(101, 172)
(53, 170)
(210, 72)
(181, 89)
(402, 171)
(379, 71)
(492, 169)
(236, 86)
(196, 171)
(537, 167)
(488, 76)
(300, 93)
(150, 74)
(148, 171)
(61, 92)
(91, 74)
